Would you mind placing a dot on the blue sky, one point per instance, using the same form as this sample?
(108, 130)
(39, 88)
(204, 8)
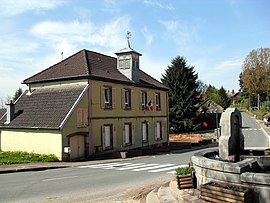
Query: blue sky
(215, 36)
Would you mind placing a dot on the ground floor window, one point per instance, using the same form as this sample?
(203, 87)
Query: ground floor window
(145, 131)
(107, 135)
(158, 130)
(127, 134)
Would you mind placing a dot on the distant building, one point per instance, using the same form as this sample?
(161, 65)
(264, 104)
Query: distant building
(88, 104)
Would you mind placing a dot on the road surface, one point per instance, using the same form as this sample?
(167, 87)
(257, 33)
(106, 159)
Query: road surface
(90, 183)
(254, 136)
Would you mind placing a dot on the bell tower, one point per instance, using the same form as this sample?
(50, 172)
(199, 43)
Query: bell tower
(128, 61)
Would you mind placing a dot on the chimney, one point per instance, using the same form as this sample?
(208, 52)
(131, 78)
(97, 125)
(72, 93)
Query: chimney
(10, 111)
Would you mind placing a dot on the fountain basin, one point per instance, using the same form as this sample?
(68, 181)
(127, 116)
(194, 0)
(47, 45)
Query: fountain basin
(247, 172)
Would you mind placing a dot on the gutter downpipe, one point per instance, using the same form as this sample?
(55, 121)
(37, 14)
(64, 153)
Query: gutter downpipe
(167, 114)
(90, 127)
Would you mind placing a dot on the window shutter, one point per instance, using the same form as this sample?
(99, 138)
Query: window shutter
(79, 117)
(113, 98)
(156, 131)
(102, 93)
(154, 101)
(85, 117)
(123, 99)
(132, 134)
(131, 100)
(114, 137)
(123, 136)
(162, 131)
(140, 102)
(103, 137)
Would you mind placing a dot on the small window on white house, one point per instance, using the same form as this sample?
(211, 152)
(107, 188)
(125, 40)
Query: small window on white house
(158, 131)
(158, 104)
(128, 134)
(145, 131)
(143, 100)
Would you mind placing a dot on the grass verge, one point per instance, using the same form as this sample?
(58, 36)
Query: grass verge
(17, 157)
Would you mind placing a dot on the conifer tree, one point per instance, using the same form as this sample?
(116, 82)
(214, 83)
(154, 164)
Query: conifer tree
(225, 101)
(181, 80)
(17, 94)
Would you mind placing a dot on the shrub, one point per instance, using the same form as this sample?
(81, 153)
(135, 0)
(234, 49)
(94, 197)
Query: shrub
(183, 171)
(24, 157)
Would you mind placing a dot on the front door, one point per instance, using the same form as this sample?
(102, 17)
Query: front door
(77, 147)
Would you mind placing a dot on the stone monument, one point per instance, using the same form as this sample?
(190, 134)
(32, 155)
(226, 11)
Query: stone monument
(231, 141)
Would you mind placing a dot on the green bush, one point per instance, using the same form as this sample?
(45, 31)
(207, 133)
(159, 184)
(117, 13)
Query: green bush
(24, 157)
(183, 171)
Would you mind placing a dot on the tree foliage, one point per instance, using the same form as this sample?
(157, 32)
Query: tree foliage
(181, 80)
(219, 96)
(17, 94)
(225, 101)
(256, 71)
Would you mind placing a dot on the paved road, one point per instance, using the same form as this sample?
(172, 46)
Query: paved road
(254, 136)
(89, 182)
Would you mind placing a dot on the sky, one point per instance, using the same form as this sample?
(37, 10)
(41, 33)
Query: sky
(214, 36)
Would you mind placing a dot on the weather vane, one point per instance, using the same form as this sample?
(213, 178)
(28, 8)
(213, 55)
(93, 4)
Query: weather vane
(128, 36)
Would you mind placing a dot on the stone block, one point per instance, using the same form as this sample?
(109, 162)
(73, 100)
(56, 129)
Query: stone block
(231, 141)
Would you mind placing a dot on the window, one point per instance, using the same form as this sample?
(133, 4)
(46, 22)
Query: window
(127, 134)
(108, 97)
(82, 117)
(158, 131)
(143, 100)
(145, 131)
(107, 135)
(127, 99)
(158, 105)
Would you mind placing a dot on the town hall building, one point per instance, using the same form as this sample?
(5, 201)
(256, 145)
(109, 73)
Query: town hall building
(88, 104)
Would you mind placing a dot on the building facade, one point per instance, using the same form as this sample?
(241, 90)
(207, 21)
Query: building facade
(88, 104)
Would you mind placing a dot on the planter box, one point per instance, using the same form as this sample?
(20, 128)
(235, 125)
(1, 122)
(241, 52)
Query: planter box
(186, 181)
(219, 192)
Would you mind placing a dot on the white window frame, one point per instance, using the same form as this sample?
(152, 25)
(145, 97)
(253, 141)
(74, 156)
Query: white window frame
(143, 100)
(108, 97)
(127, 96)
(158, 104)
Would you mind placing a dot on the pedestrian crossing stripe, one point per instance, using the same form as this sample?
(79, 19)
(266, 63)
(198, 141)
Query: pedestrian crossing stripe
(152, 168)
(250, 129)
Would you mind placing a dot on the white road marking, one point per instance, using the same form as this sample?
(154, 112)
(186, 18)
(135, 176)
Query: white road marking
(168, 168)
(104, 166)
(153, 167)
(132, 166)
(60, 178)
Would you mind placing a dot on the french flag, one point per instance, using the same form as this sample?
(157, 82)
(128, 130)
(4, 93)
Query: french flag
(150, 106)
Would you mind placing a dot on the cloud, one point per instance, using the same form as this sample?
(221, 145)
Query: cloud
(109, 35)
(183, 34)
(14, 7)
(230, 65)
(147, 35)
(158, 4)
(213, 73)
